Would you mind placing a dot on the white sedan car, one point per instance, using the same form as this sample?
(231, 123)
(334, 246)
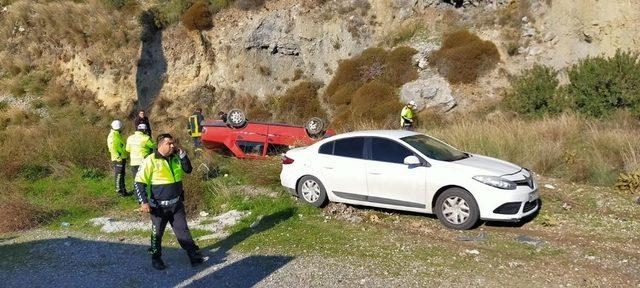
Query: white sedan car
(409, 171)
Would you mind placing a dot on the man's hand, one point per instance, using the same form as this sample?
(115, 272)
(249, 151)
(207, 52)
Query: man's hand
(144, 207)
(182, 153)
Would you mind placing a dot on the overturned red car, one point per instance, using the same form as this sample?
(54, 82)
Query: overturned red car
(256, 140)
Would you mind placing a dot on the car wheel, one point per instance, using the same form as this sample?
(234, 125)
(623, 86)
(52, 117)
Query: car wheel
(315, 127)
(311, 190)
(457, 209)
(236, 118)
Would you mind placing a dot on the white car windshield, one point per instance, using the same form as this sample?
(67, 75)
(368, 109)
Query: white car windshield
(434, 149)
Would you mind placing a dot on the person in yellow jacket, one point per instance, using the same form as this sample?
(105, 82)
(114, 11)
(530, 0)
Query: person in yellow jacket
(118, 156)
(160, 193)
(139, 145)
(407, 116)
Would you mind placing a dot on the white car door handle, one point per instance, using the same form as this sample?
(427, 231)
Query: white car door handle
(375, 173)
(328, 168)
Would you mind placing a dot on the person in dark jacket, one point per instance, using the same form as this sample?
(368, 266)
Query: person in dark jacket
(160, 193)
(142, 119)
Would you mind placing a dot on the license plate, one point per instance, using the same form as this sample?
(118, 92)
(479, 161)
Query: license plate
(534, 195)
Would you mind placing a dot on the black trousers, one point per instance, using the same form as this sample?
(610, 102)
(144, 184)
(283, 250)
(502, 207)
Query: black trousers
(176, 216)
(119, 171)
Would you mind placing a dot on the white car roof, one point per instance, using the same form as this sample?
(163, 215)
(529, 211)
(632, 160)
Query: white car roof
(393, 134)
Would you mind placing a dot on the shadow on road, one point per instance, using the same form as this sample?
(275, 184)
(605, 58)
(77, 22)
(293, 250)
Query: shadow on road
(73, 262)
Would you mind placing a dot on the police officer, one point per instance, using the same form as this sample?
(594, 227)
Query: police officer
(118, 156)
(194, 126)
(407, 116)
(160, 193)
(139, 145)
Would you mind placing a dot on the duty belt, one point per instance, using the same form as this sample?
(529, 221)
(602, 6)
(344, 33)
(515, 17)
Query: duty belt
(154, 203)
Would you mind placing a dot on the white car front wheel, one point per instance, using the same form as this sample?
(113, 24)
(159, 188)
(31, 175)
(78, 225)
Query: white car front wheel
(457, 209)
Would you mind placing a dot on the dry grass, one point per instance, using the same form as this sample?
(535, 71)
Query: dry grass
(463, 57)
(19, 213)
(568, 146)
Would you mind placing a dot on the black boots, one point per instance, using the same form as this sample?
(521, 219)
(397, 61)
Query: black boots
(197, 258)
(157, 263)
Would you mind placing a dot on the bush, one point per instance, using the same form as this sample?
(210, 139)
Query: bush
(197, 17)
(300, 103)
(601, 85)
(464, 56)
(169, 12)
(369, 80)
(250, 4)
(534, 92)
(34, 172)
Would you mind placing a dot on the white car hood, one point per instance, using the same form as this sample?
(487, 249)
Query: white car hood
(490, 166)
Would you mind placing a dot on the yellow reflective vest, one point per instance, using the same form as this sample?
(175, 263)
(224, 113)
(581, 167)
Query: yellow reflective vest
(406, 114)
(116, 146)
(160, 177)
(139, 145)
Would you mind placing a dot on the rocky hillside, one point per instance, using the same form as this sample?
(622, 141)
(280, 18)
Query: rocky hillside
(123, 59)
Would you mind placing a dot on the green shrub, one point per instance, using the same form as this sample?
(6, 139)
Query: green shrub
(369, 80)
(464, 56)
(198, 17)
(169, 12)
(534, 92)
(601, 85)
(34, 171)
(512, 48)
(92, 173)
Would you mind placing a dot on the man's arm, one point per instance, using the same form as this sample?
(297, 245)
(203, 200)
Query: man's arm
(142, 180)
(185, 162)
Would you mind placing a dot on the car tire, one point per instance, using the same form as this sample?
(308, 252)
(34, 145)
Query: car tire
(315, 127)
(236, 118)
(457, 209)
(311, 191)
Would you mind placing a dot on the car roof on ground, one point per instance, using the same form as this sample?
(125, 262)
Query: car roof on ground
(395, 134)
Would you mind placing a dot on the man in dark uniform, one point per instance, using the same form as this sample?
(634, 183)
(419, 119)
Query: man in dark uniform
(142, 119)
(159, 191)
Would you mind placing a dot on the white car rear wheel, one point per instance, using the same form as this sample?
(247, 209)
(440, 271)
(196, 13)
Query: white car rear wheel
(311, 190)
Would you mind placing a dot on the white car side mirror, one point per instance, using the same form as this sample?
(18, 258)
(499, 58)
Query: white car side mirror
(412, 160)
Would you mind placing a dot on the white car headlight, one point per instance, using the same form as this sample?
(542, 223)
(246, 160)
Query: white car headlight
(496, 181)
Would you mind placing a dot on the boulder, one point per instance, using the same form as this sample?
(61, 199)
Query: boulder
(431, 92)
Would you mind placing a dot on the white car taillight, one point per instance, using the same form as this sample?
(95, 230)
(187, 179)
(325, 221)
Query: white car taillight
(286, 160)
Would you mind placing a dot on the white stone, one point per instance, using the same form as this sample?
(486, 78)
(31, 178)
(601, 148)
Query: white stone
(549, 186)
(472, 252)
(432, 92)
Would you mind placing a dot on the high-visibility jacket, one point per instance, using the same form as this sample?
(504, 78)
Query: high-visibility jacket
(116, 146)
(406, 116)
(139, 145)
(194, 126)
(160, 178)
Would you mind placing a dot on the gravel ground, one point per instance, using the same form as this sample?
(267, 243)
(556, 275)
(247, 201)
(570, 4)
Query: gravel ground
(71, 259)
